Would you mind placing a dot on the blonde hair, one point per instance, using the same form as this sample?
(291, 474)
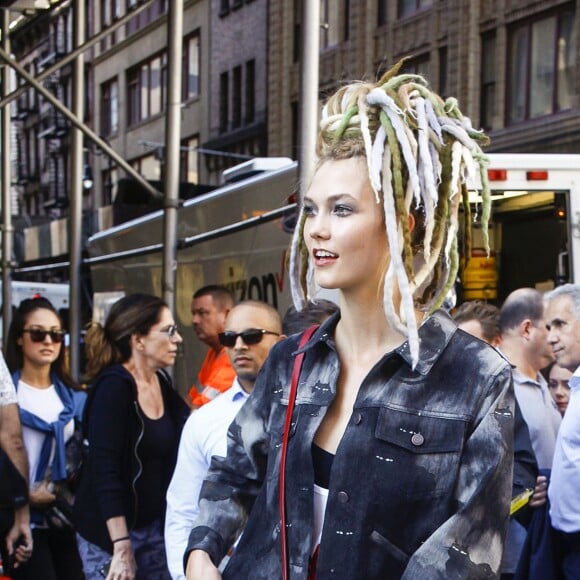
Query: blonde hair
(420, 151)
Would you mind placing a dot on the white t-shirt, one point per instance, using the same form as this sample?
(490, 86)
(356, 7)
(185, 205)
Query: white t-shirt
(45, 404)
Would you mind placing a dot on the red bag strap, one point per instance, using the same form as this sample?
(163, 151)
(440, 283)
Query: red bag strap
(291, 399)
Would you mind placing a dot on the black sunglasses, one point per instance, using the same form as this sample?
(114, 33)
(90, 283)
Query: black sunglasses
(249, 336)
(39, 334)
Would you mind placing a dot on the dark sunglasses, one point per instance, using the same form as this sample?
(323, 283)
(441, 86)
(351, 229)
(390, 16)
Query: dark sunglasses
(39, 334)
(249, 336)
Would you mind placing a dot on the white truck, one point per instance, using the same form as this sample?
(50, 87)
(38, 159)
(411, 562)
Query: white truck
(238, 235)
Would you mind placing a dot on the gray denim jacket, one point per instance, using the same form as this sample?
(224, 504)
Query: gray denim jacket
(421, 481)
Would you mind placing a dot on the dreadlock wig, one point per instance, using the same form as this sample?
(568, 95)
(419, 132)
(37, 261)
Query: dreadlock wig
(420, 152)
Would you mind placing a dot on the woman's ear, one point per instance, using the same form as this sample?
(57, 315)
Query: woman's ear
(136, 342)
(411, 222)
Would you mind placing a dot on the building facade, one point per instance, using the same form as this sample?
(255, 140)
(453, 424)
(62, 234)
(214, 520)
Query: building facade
(514, 65)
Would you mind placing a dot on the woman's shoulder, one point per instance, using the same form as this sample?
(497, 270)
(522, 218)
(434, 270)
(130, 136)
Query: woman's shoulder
(114, 380)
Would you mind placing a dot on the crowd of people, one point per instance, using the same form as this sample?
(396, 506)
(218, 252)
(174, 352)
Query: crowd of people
(391, 439)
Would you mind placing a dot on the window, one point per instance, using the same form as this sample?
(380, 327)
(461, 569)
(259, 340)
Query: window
(149, 167)
(541, 62)
(191, 65)
(133, 100)
(157, 9)
(409, 7)
(250, 91)
(297, 30)
(224, 98)
(110, 11)
(488, 80)
(190, 160)
(146, 89)
(110, 180)
(237, 97)
(329, 28)
(224, 7)
(382, 12)
(295, 128)
(418, 66)
(110, 107)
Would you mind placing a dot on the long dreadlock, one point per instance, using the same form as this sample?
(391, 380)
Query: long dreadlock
(420, 151)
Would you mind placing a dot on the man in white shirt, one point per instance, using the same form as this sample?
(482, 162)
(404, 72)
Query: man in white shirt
(12, 444)
(563, 323)
(524, 342)
(251, 330)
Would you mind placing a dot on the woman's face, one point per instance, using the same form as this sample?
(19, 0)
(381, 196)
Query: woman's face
(158, 346)
(559, 389)
(45, 352)
(344, 229)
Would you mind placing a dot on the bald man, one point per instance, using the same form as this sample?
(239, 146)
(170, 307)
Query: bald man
(252, 328)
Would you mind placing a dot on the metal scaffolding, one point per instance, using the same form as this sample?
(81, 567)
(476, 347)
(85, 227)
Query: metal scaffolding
(75, 116)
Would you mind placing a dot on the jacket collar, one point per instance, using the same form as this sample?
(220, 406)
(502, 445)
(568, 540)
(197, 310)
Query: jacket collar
(434, 334)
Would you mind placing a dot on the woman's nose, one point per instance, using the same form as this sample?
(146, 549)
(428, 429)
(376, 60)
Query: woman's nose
(318, 227)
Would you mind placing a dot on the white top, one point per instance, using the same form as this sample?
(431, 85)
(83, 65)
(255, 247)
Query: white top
(45, 404)
(565, 478)
(204, 435)
(320, 501)
(7, 390)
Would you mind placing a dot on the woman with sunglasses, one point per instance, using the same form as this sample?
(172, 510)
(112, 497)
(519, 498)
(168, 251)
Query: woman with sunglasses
(398, 447)
(133, 421)
(49, 402)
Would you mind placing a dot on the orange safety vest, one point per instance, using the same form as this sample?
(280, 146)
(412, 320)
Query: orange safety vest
(215, 376)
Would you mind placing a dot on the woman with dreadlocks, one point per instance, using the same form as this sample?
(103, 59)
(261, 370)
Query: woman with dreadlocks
(395, 459)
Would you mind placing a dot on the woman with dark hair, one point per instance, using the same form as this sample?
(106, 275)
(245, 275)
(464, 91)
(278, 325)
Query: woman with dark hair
(132, 424)
(49, 402)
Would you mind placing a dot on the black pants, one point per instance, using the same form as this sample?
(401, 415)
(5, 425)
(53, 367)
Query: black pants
(54, 557)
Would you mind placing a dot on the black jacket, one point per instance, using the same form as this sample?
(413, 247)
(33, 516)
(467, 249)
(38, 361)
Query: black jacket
(113, 428)
(420, 483)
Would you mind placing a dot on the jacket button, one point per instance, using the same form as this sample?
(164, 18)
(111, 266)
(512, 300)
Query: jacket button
(417, 439)
(342, 496)
(357, 418)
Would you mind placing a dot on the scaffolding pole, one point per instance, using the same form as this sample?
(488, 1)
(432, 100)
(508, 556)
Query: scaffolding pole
(5, 174)
(308, 91)
(76, 195)
(172, 148)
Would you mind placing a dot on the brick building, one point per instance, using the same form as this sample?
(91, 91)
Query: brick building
(514, 65)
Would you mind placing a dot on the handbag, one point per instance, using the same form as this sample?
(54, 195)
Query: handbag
(59, 514)
(287, 422)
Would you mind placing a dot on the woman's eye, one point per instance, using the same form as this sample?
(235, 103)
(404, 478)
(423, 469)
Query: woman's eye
(342, 210)
(308, 210)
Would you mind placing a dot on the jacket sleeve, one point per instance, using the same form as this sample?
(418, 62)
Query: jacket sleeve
(470, 543)
(233, 482)
(108, 433)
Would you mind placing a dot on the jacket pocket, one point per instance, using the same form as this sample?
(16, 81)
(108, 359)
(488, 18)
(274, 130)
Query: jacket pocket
(424, 450)
(385, 559)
